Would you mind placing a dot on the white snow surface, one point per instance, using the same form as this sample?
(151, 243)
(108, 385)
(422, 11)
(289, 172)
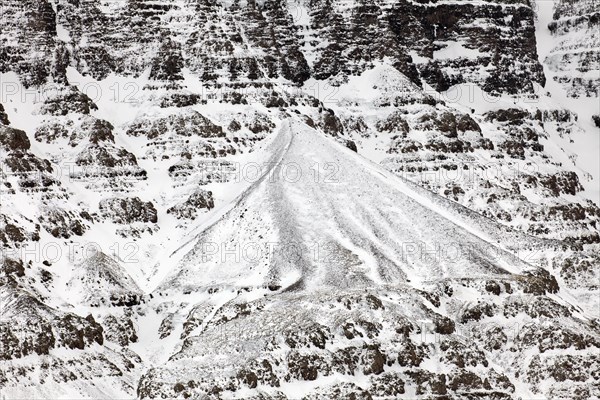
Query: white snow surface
(323, 216)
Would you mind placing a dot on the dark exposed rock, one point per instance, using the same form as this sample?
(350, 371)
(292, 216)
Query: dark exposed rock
(428, 382)
(234, 126)
(445, 123)
(75, 335)
(99, 130)
(538, 306)
(14, 139)
(460, 355)
(189, 123)
(125, 299)
(166, 327)
(477, 312)
(169, 62)
(401, 145)
(11, 234)
(248, 378)
(46, 330)
(493, 287)
(3, 117)
(466, 123)
(411, 355)
(513, 116)
(465, 381)
(580, 271)
(306, 367)
(37, 340)
(9, 266)
(31, 170)
(566, 182)
(315, 335)
(443, 325)
(263, 370)
(549, 338)
(177, 99)
(259, 123)
(331, 124)
(109, 157)
(199, 199)
(394, 123)
(233, 311)
(374, 302)
(345, 391)
(514, 148)
(374, 360)
(351, 145)
(539, 282)
(454, 193)
(69, 100)
(356, 125)
(449, 146)
(51, 131)
(493, 337)
(561, 368)
(61, 223)
(128, 210)
(388, 384)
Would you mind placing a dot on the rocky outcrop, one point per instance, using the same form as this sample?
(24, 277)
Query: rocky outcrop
(430, 30)
(67, 100)
(119, 330)
(127, 210)
(3, 117)
(570, 22)
(190, 123)
(198, 200)
(45, 329)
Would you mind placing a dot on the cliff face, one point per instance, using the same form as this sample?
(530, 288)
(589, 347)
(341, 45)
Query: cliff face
(233, 41)
(573, 61)
(183, 212)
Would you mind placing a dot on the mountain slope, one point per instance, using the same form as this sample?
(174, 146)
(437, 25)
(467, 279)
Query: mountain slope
(299, 199)
(305, 291)
(323, 217)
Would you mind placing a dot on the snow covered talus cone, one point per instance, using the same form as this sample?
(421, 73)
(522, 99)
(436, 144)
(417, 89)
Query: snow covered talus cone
(360, 295)
(322, 216)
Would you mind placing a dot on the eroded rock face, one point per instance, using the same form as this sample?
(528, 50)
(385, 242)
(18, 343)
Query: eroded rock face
(62, 224)
(127, 210)
(86, 129)
(355, 37)
(105, 164)
(571, 20)
(13, 139)
(17, 38)
(47, 329)
(21, 167)
(462, 162)
(196, 201)
(119, 330)
(190, 123)
(312, 351)
(3, 117)
(42, 332)
(67, 100)
(251, 58)
(429, 29)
